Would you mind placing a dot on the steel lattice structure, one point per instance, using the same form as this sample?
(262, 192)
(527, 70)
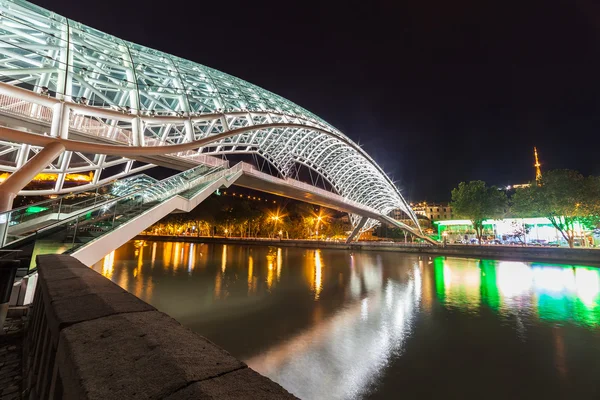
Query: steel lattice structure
(80, 81)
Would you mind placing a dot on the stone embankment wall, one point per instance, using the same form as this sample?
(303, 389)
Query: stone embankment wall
(90, 339)
(515, 253)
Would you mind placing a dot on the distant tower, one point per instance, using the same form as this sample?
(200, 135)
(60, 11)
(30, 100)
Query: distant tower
(537, 165)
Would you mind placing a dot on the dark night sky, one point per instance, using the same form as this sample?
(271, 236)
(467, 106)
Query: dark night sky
(437, 91)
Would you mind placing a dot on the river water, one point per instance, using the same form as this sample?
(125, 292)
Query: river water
(332, 324)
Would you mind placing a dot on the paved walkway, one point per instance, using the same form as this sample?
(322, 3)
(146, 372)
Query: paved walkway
(11, 354)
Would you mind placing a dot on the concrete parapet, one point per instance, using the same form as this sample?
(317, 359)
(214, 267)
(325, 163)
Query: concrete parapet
(90, 339)
(240, 384)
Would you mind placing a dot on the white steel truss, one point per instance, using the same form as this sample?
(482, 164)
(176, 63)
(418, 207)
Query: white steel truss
(69, 79)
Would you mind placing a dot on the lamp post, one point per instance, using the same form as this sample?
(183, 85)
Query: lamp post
(275, 219)
(319, 219)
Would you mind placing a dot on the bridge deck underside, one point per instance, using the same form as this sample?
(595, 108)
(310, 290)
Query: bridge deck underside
(282, 189)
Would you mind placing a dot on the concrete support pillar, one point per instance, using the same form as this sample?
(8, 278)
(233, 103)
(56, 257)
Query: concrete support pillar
(19, 179)
(64, 165)
(357, 229)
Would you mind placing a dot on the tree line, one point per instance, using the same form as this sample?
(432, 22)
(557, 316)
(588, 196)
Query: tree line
(565, 197)
(241, 217)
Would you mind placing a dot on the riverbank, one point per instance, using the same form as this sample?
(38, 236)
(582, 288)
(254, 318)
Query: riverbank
(512, 253)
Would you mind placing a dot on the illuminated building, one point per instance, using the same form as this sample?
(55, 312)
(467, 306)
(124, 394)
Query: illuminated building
(432, 211)
(540, 231)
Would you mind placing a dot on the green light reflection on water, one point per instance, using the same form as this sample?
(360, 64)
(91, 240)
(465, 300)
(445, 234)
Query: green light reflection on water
(555, 293)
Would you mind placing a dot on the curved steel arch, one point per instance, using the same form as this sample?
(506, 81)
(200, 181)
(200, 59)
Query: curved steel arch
(96, 84)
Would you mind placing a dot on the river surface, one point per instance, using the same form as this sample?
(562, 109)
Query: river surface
(332, 324)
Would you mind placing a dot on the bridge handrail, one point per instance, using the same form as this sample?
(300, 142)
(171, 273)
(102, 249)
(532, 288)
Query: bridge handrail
(16, 106)
(141, 199)
(93, 126)
(60, 208)
(15, 216)
(129, 196)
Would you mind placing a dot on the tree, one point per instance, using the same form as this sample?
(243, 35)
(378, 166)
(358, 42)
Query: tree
(519, 231)
(565, 197)
(477, 202)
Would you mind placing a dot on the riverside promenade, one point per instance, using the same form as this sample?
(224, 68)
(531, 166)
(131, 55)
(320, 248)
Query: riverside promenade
(511, 253)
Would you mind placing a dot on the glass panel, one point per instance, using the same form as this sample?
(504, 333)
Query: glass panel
(22, 222)
(107, 217)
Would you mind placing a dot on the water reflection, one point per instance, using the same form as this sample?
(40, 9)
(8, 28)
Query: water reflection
(337, 325)
(107, 264)
(341, 355)
(552, 292)
(318, 267)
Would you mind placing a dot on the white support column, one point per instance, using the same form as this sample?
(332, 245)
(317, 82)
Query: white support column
(137, 127)
(183, 101)
(64, 165)
(60, 113)
(137, 131)
(60, 121)
(99, 170)
(357, 229)
(65, 82)
(189, 130)
(19, 179)
(22, 155)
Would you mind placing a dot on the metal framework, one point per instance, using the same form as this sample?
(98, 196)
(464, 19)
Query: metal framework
(80, 82)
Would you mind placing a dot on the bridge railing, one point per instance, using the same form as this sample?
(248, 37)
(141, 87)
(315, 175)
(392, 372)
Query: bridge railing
(96, 127)
(15, 106)
(202, 158)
